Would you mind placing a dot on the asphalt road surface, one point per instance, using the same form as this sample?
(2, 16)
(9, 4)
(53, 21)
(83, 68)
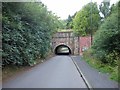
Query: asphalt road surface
(58, 72)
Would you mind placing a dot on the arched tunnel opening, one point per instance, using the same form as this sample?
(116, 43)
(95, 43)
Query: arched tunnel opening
(62, 50)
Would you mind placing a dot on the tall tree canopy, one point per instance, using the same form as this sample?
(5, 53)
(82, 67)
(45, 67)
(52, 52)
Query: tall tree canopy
(86, 20)
(106, 41)
(69, 21)
(105, 8)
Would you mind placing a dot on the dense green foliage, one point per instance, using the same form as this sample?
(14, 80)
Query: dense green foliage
(27, 29)
(100, 66)
(69, 21)
(105, 51)
(86, 20)
(106, 41)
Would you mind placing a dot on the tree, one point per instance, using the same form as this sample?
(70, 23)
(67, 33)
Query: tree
(106, 43)
(68, 22)
(105, 8)
(82, 24)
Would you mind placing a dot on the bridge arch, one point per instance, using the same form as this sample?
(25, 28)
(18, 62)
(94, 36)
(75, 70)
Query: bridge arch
(62, 49)
(75, 44)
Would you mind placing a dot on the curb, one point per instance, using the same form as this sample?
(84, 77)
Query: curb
(82, 75)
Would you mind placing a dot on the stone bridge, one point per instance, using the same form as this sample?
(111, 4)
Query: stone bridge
(75, 44)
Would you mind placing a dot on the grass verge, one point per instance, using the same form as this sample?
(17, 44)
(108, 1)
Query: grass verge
(104, 68)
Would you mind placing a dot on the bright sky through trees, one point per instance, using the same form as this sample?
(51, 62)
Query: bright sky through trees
(63, 8)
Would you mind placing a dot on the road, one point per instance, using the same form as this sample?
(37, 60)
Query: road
(58, 72)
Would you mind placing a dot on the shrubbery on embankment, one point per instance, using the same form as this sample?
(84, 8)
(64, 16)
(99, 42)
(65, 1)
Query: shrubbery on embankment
(27, 29)
(105, 51)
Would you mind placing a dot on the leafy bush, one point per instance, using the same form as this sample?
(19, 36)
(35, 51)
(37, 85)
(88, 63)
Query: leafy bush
(115, 74)
(102, 67)
(106, 43)
(27, 29)
(105, 52)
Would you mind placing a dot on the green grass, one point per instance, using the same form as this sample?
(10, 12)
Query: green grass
(104, 68)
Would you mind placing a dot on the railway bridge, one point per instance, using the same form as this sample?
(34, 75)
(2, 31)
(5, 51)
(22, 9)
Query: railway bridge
(75, 44)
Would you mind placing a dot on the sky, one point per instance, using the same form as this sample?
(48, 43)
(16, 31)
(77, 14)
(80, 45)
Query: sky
(63, 8)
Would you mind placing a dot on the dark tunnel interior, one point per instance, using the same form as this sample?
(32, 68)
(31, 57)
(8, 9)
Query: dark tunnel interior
(62, 50)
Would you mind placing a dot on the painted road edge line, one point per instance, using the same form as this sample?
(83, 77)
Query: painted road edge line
(82, 75)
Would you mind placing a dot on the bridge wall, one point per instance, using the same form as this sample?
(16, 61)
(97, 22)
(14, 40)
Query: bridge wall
(84, 44)
(76, 44)
(65, 38)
